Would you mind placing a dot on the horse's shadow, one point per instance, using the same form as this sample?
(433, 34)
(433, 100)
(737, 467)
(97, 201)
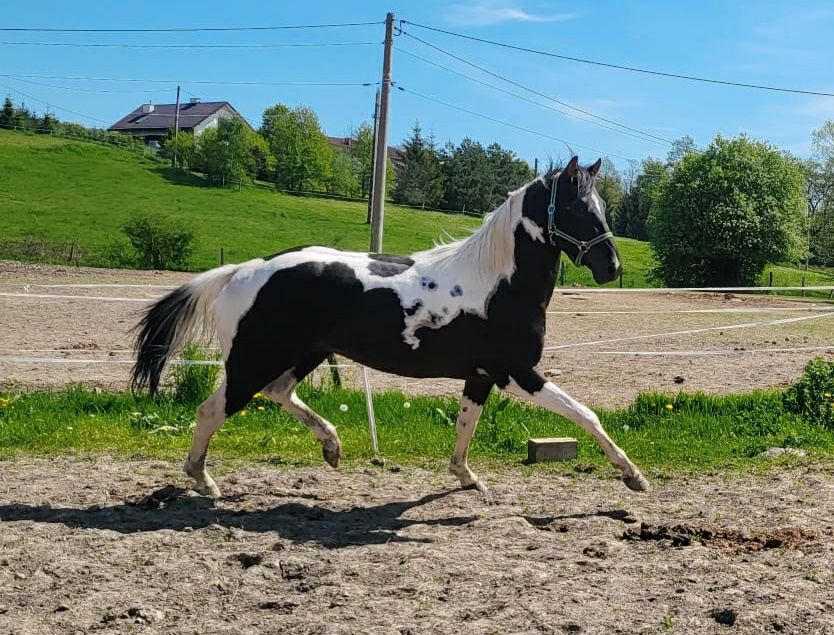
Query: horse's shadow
(170, 508)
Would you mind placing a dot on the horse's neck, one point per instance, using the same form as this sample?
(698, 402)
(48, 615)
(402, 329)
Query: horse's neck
(535, 272)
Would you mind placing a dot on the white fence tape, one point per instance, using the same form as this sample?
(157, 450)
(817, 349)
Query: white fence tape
(41, 285)
(727, 327)
(46, 296)
(22, 359)
(702, 353)
(568, 290)
(782, 309)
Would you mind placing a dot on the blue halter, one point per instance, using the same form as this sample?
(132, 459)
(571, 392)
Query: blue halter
(554, 232)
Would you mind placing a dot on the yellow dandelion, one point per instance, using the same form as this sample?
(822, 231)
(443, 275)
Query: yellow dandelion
(261, 408)
(669, 406)
(826, 394)
(243, 413)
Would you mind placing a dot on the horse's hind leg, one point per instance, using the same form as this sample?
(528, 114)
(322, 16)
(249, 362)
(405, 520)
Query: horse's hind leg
(282, 391)
(210, 416)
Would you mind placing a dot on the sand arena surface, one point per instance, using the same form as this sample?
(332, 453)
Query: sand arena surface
(112, 546)
(98, 330)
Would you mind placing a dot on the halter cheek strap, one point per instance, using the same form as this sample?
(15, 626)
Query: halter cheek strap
(554, 232)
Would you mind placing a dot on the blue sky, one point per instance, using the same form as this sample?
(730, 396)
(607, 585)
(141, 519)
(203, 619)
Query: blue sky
(773, 43)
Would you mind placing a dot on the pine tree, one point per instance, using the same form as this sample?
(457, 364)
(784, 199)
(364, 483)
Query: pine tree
(419, 179)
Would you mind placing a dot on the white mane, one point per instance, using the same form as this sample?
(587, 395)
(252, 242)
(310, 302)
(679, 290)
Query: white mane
(489, 250)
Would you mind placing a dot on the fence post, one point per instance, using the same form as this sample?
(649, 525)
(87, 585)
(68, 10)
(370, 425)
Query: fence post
(803, 286)
(771, 283)
(621, 278)
(561, 273)
(222, 258)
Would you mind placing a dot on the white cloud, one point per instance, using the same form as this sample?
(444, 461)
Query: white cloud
(489, 13)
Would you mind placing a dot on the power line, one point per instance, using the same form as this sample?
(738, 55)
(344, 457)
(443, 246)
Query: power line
(527, 99)
(510, 125)
(51, 105)
(190, 46)
(180, 81)
(84, 90)
(533, 91)
(187, 29)
(621, 67)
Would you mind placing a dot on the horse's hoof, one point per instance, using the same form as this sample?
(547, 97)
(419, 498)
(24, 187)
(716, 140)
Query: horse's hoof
(636, 483)
(331, 451)
(208, 489)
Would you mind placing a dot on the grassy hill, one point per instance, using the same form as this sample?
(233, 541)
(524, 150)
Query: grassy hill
(58, 192)
(60, 198)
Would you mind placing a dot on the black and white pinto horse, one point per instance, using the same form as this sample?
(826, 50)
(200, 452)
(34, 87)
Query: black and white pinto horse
(474, 309)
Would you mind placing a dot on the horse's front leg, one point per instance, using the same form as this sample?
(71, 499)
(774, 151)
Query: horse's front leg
(475, 393)
(530, 385)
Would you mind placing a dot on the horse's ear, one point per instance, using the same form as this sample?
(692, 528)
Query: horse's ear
(572, 167)
(594, 169)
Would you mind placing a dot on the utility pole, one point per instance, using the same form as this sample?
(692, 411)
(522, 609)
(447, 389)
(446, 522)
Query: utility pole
(373, 158)
(536, 167)
(176, 127)
(381, 151)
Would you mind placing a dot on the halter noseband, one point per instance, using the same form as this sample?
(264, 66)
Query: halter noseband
(554, 232)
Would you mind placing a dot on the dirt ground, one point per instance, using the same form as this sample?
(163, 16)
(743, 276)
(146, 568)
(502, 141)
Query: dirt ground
(599, 372)
(104, 545)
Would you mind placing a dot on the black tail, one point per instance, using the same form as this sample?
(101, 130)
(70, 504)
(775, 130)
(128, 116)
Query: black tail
(155, 337)
(168, 324)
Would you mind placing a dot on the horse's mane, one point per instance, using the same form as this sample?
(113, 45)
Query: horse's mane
(490, 249)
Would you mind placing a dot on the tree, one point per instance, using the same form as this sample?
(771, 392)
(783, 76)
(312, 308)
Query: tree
(632, 215)
(229, 152)
(609, 186)
(725, 213)
(343, 171)
(303, 157)
(508, 172)
(478, 179)
(7, 118)
(362, 151)
(823, 141)
(680, 148)
(819, 194)
(419, 181)
(262, 158)
(47, 123)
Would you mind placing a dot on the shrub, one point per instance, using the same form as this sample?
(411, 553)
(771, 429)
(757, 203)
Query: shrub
(159, 245)
(813, 395)
(194, 383)
(725, 213)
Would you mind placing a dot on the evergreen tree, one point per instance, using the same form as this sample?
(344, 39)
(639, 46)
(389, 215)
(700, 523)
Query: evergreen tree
(420, 181)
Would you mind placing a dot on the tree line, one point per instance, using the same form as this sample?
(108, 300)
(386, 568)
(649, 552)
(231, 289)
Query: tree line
(291, 151)
(714, 215)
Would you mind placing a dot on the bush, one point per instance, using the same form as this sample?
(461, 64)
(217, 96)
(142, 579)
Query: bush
(725, 213)
(813, 395)
(194, 383)
(159, 245)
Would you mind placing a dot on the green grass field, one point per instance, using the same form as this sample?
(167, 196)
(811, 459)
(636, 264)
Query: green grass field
(61, 191)
(76, 195)
(683, 432)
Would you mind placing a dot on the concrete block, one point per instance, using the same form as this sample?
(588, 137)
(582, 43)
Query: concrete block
(558, 449)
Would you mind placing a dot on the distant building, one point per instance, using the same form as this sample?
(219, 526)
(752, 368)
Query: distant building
(344, 143)
(154, 122)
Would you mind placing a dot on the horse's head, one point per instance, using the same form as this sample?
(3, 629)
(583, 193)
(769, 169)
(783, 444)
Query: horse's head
(572, 215)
